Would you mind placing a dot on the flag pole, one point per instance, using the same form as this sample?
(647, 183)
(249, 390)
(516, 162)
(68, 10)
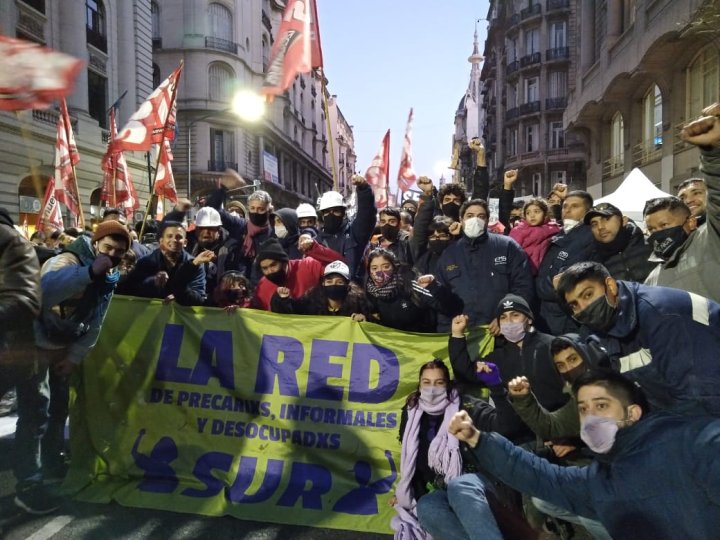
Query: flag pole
(114, 180)
(329, 130)
(161, 149)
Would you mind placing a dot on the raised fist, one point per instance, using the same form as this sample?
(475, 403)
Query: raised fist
(518, 387)
(703, 132)
(509, 178)
(101, 265)
(425, 184)
(231, 179)
(283, 292)
(458, 325)
(358, 180)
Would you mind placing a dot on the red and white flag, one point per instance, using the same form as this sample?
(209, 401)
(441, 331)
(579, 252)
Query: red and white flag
(296, 49)
(65, 186)
(32, 76)
(153, 121)
(122, 193)
(72, 146)
(377, 173)
(164, 180)
(406, 175)
(50, 214)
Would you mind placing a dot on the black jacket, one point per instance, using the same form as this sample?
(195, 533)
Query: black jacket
(19, 294)
(480, 272)
(627, 256)
(565, 250)
(228, 257)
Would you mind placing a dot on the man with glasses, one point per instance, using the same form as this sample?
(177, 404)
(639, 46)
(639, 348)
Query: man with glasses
(348, 237)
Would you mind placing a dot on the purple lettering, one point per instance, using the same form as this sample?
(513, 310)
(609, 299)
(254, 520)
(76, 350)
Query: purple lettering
(271, 368)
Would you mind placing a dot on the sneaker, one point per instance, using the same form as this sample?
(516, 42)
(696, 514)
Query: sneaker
(36, 500)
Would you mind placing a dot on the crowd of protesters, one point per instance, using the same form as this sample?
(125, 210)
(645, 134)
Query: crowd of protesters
(595, 406)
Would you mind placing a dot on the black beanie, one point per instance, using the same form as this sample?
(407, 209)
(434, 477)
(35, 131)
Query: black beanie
(513, 302)
(271, 249)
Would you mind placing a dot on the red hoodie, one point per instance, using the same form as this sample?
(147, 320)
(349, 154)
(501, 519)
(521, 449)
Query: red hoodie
(303, 274)
(535, 240)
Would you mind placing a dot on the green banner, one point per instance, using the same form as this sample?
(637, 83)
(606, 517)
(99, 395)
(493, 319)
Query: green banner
(266, 417)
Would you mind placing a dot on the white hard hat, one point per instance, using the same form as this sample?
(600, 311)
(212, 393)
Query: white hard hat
(331, 199)
(337, 267)
(208, 217)
(305, 210)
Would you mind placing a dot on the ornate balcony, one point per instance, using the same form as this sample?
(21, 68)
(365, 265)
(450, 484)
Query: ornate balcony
(530, 108)
(552, 104)
(512, 67)
(558, 53)
(553, 5)
(219, 166)
(220, 44)
(530, 59)
(512, 114)
(532, 11)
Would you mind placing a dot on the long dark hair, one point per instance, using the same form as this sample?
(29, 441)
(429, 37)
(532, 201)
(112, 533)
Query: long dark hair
(435, 363)
(355, 302)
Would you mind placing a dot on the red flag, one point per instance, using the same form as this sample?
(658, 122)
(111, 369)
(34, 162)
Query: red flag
(50, 214)
(114, 166)
(406, 174)
(32, 76)
(153, 121)
(65, 188)
(296, 48)
(72, 146)
(164, 181)
(377, 173)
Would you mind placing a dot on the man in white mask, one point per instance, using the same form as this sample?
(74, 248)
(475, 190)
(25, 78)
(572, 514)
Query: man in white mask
(480, 268)
(655, 476)
(573, 244)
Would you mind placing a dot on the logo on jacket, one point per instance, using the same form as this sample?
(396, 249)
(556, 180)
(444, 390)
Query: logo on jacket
(501, 260)
(563, 255)
(451, 267)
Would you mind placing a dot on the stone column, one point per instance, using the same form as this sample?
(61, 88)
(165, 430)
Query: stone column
(73, 40)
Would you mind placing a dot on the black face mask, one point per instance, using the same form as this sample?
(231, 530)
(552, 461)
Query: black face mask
(667, 241)
(598, 316)
(336, 292)
(452, 211)
(115, 260)
(389, 232)
(276, 277)
(571, 375)
(237, 296)
(257, 219)
(438, 246)
(332, 223)
(410, 211)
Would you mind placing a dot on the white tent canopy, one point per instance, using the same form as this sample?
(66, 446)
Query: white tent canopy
(632, 194)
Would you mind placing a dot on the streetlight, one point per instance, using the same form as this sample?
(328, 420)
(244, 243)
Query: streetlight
(246, 105)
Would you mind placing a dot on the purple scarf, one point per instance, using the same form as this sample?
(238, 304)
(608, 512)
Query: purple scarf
(443, 456)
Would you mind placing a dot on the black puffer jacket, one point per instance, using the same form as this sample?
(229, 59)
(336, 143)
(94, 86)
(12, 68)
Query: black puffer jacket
(626, 257)
(19, 291)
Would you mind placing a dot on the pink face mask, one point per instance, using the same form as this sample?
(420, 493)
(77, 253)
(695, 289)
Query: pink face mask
(599, 433)
(381, 277)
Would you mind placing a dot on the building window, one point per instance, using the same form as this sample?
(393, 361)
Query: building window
(265, 52)
(95, 23)
(557, 135)
(652, 118)
(532, 41)
(557, 84)
(600, 19)
(531, 90)
(703, 76)
(155, 16)
(156, 75)
(512, 97)
(512, 142)
(558, 177)
(222, 150)
(512, 52)
(220, 80)
(617, 144)
(221, 24)
(558, 35)
(531, 138)
(537, 183)
(97, 98)
(628, 14)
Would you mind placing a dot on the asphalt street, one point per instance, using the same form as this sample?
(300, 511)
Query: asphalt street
(76, 520)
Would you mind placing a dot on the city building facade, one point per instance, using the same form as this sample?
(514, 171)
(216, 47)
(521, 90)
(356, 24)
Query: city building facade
(530, 58)
(113, 38)
(645, 68)
(225, 45)
(344, 147)
(131, 47)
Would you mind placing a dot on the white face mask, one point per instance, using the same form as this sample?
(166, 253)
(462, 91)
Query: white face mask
(280, 231)
(569, 224)
(474, 227)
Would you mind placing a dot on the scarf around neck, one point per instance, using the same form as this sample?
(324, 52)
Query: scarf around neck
(251, 231)
(386, 291)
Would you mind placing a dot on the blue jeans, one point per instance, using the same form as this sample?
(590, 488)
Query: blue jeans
(33, 395)
(595, 528)
(460, 513)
